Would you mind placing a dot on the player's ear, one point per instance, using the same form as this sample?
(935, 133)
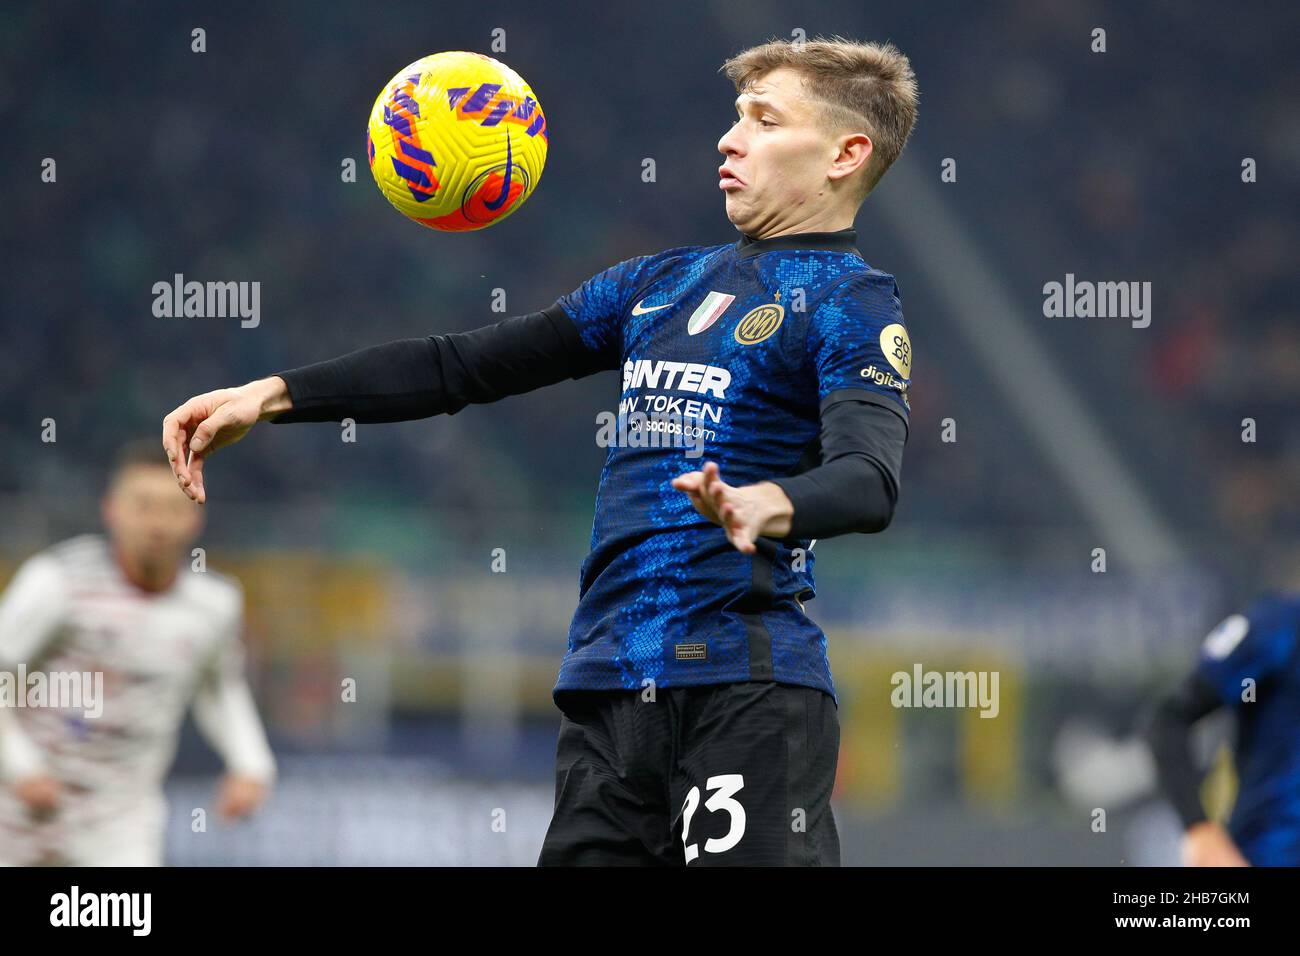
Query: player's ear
(853, 153)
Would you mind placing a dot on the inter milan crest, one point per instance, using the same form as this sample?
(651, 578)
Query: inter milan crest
(759, 324)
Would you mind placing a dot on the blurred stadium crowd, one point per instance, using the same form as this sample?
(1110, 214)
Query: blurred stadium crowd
(373, 557)
(1127, 165)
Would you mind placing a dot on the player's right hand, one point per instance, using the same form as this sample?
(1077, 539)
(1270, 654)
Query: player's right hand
(1208, 844)
(213, 420)
(40, 793)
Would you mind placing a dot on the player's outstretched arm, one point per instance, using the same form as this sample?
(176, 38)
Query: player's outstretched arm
(214, 420)
(394, 382)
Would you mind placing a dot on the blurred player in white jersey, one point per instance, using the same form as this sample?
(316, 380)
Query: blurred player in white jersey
(81, 789)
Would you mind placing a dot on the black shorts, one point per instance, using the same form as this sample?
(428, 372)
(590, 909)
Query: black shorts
(726, 775)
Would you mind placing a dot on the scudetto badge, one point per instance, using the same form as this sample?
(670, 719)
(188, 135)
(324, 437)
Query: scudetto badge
(897, 348)
(759, 324)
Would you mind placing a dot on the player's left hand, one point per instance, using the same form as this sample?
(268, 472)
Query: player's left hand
(239, 796)
(746, 513)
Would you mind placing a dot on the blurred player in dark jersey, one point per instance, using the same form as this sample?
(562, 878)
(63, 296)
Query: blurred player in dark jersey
(1249, 664)
(699, 720)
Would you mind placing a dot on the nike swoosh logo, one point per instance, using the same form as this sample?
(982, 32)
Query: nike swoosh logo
(495, 204)
(637, 310)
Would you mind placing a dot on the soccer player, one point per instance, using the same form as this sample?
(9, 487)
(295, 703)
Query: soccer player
(699, 719)
(82, 786)
(1249, 664)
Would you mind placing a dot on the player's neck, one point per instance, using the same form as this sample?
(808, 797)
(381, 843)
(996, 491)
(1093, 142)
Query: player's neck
(820, 223)
(748, 239)
(145, 575)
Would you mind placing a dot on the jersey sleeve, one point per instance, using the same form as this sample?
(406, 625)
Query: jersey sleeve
(597, 308)
(855, 488)
(439, 374)
(1254, 646)
(857, 340)
(224, 710)
(32, 612)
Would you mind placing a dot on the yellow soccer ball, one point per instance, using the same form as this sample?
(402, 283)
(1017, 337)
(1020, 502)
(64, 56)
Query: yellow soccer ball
(457, 141)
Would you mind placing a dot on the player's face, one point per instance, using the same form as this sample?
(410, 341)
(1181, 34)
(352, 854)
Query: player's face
(146, 516)
(777, 155)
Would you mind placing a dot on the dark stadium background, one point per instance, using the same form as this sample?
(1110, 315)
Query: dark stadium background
(372, 560)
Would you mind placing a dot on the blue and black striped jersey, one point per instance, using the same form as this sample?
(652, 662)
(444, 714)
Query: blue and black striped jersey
(741, 347)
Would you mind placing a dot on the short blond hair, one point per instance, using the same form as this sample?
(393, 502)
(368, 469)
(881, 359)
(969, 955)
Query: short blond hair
(856, 84)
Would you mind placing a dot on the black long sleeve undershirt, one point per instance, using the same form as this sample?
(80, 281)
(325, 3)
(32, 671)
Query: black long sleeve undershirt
(440, 374)
(855, 486)
(1168, 731)
(847, 482)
